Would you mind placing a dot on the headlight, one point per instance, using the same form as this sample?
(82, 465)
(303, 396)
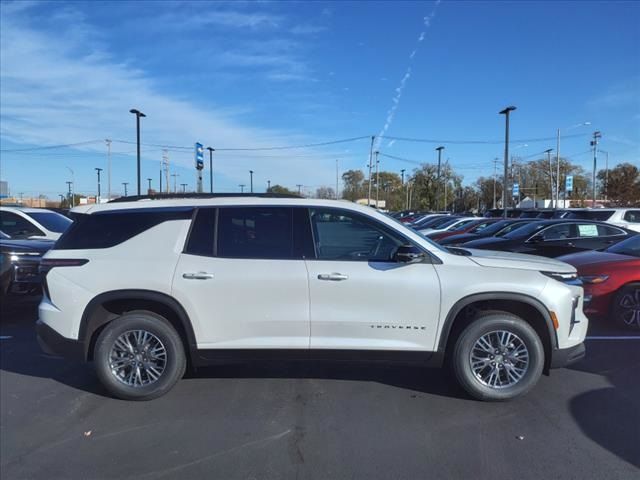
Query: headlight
(594, 279)
(570, 278)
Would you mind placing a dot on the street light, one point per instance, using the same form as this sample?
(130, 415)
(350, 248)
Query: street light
(98, 170)
(439, 150)
(558, 160)
(124, 184)
(184, 187)
(506, 113)
(149, 190)
(251, 181)
(211, 150)
(138, 115)
(548, 152)
(594, 143)
(242, 185)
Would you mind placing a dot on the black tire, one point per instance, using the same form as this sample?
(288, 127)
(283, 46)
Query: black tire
(486, 323)
(175, 359)
(626, 306)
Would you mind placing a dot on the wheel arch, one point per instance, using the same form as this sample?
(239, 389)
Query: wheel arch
(107, 306)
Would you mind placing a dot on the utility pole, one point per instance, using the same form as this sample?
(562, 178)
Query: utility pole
(61, 199)
(175, 182)
(251, 181)
(406, 203)
(108, 142)
(495, 179)
(377, 180)
(557, 171)
(241, 188)
(606, 175)
(299, 189)
(268, 185)
(72, 187)
(98, 170)
(69, 195)
(184, 187)
(402, 177)
(138, 115)
(160, 184)
(124, 184)
(165, 165)
(439, 150)
(337, 179)
(506, 113)
(373, 137)
(211, 150)
(548, 152)
(149, 189)
(594, 143)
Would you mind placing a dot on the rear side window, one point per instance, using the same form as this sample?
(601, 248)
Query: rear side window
(632, 216)
(18, 227)
(105, 230)
(608, 231)
(51, 221)
(255, 232)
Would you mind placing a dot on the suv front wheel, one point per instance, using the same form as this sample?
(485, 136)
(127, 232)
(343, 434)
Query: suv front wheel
(139, 356)
(497, 357)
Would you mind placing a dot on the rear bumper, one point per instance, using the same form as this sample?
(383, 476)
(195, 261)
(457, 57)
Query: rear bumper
(52, 343)
(566, 356)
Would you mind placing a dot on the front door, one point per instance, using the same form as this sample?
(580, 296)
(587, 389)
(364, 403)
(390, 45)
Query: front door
(244, 283)
(360, 297)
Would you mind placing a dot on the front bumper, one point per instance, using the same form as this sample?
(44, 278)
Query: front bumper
(563, 357)
(52, 343)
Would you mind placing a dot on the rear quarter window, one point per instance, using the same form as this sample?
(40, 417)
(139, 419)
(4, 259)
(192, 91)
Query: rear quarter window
(632, 216)
(108, 229)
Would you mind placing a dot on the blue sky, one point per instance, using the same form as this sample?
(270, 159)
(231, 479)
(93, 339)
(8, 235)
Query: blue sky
(260, 74)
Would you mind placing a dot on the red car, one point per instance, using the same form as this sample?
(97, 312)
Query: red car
(611, 281)
(476, 225)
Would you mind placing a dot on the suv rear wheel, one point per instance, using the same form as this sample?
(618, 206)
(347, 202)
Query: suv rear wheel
(497, 357)
(139, 356)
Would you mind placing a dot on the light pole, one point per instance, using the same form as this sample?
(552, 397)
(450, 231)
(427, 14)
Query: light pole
(268, 186)
(211, 150)
(594, 143)
(175, 182)
(606, 175)
(184, 187)
(138, 115)
(72, 187)
(548, 152)
(439, 150)
(149, 189)
(98, 170)
(61, 199)
(69, 195)
(558, 159)
(506, 113)
(373, 138)
(108, 142)
(251, 181)
(241, 187)
(377, 179)
(299, 189)
(124, 184)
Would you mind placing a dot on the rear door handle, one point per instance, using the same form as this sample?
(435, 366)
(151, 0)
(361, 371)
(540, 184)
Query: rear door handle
(332, 277)
(197, 276)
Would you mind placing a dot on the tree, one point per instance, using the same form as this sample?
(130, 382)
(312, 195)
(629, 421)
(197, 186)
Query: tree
(353, 185)
(484, 187)
(279, 189)
(623, 185)
(326, 193)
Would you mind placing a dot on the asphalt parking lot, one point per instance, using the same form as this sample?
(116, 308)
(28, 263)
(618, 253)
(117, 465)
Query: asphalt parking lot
(320, 421)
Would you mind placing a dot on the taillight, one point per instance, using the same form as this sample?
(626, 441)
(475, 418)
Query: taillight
(47, 264)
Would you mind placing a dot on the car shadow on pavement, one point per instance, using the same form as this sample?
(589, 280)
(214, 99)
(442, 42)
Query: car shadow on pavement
(610, 416)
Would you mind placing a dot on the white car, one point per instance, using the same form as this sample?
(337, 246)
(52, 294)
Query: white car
(450, 225)
(144, 288)
(626, 218)
(32, 223)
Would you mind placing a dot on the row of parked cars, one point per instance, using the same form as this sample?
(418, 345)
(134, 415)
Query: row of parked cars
(603, 245)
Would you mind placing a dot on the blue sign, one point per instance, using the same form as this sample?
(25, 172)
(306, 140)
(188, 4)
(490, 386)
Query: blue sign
(516, 190)
(199, 156)
(569, 183)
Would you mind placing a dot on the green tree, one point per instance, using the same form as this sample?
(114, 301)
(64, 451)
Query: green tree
(325, 193)
(279, 189)
(623, 185)
(354, 187)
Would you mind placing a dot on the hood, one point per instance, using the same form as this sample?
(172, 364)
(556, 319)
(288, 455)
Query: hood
(40, 246)
(594, 257)
(491, 258)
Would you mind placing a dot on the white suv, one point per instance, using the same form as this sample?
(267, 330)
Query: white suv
(143, 288)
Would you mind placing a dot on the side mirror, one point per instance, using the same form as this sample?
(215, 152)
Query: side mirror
(408, 254)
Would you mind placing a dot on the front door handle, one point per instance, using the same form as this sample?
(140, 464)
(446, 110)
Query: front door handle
(197, 276)
(332, 277)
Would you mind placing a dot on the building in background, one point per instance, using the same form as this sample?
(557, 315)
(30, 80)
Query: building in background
(4, 189)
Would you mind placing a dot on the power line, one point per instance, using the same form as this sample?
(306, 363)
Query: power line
(478, 142)
(68, 145)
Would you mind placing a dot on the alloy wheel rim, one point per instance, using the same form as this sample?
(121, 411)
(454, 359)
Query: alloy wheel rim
(630, 305)
(137, 358)
(499, 359)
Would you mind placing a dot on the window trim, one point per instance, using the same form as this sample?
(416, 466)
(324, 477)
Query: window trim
(623, 234)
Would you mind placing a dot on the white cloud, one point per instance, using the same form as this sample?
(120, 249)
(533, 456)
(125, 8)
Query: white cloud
(53, 94)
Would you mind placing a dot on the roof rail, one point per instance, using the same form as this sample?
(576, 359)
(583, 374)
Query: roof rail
(173, 196)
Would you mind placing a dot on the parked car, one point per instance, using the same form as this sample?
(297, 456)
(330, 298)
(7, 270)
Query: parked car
(19, 263)
(139, 287)
(477, 223)
(499, 212)
(611, 281)
(450, 224)
(433, 222)
(496, 229)
(427, 219)
(36, 223)
(552, 238)
(622, 217)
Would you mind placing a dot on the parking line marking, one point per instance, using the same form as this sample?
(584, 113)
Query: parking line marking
(635, 337)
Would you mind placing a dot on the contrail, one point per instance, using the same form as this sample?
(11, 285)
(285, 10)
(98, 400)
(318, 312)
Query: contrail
(391, 113)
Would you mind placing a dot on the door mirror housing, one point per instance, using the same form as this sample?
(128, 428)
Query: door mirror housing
(409, 254)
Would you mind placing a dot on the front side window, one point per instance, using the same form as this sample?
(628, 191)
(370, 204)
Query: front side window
(558, 232)
(255, 232)
(17, 227)
(344, 235)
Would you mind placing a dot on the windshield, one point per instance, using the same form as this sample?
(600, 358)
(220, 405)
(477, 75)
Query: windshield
(490, 229)
(630, 246)
(461, 226)
(51, 221)
(510, 228)
(529, 229)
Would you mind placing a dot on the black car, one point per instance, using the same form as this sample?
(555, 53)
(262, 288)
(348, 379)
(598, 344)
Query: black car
(497, 229)
(19, 263)
(433, 222)
(552, 238)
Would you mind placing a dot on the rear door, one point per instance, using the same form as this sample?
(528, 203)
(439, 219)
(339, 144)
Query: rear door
(243, 280)
(360, 297)
(556, 240)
